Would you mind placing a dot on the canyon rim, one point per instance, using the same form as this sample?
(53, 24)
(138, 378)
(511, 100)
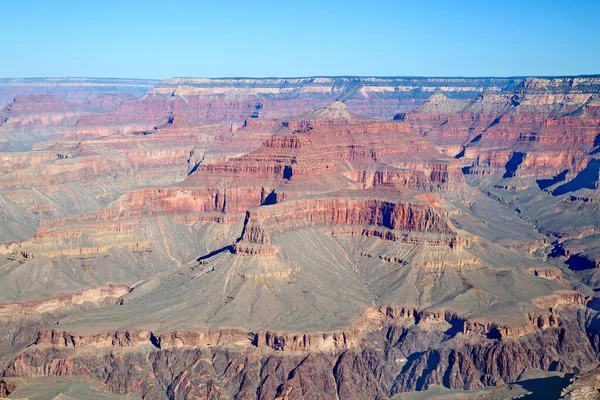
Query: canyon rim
(268, 200)
(299, 238)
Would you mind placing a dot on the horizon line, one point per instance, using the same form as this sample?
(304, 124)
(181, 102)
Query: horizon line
(315, 76)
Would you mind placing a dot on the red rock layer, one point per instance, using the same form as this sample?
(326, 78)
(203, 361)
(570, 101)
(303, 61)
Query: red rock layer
(303, 213)
(554, 132)
(368, 152)
(291, 166)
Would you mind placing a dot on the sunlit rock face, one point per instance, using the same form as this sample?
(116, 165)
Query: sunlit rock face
(298, 238)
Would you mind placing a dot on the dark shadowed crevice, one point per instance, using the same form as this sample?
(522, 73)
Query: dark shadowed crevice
(194, 169)
(593, 303)
(270, 199)
(446, 378)
(496, 121)
(456, 327)
(513, 164)
(214, 253)
(476, 139)
(493, 333)
(586, 179)
(578, 262)
(545, 388)
(546, 183)
(155, 341)
(433, 359)
(462, 153)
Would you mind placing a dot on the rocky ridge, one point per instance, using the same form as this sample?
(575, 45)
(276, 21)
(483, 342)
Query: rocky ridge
(316, 254)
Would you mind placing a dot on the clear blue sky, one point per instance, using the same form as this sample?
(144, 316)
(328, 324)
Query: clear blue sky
(160, 39)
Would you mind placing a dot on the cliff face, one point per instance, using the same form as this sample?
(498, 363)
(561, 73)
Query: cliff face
(72, 89)
(325, 151)
(300, 238)
(549, 125)
(61, 178)
(365, 96)
(236, 100)
(301, 214)
(268, 367)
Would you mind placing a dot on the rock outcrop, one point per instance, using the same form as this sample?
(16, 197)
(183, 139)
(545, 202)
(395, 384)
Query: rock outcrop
(6, 388)
(95, 296)
(585, 386)
(379, 369)
(300, 238)
(530, 132)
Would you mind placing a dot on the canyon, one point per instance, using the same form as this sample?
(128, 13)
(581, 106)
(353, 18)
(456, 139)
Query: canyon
(301, 238)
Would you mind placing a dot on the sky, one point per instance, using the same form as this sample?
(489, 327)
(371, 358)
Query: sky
(287, 38)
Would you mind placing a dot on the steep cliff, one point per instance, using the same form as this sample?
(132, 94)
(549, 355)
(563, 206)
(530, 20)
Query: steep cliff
(394, 360)
(300, 238)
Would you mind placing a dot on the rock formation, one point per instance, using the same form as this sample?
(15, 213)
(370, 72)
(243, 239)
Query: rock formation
(299, 238)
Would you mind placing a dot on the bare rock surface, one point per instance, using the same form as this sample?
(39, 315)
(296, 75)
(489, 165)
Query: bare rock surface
(307, 238)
